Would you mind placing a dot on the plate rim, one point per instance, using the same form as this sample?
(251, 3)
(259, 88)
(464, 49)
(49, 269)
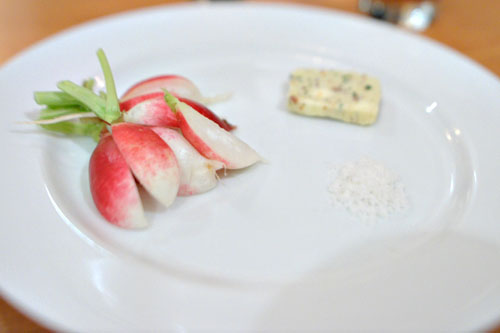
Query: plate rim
(28, 52)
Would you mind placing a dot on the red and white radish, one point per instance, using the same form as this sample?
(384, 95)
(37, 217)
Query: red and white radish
(198, 174)
(153, 112)
(113, 187)
(176, 84)
(130, 103)
(209, 139)
(151, 109)
(142, 146)
(152, 161)
(203, 110)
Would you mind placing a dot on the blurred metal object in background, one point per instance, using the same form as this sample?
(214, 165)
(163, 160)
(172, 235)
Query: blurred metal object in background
(414, 15)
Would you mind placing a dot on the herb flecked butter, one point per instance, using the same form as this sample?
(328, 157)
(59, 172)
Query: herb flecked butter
(346, 96)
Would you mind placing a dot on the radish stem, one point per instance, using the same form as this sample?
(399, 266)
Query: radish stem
(65, 117)
(89, 84)
(88, 98)
(171, 100)
(112, 104)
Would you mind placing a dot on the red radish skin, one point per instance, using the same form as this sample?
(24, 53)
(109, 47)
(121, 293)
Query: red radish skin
(202, 109)
(113, 187)
(155, 117)
(152, 161)
(152, 112)
(212, 141)
(130, 103)
(186, 190)
(197, 142)
(176, 84)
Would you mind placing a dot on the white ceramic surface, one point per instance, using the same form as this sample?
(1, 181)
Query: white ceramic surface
(264, 250)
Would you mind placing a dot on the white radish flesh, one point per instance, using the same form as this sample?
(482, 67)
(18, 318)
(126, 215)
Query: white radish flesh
(152, 112)
(198, 174)
(176, 84)
(214, 142)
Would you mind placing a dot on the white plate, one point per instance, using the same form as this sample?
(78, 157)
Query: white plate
(265, 249)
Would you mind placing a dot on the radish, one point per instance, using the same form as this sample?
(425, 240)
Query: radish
(156, 112)
(160, 158)
(177, 85)
(130, 103)
(153, 111)
(202, 109)
(113, 187)
(174, 83)
(209, 139)
(152, 161)
(198, 174)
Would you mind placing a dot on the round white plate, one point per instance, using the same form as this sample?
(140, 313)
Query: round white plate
(264, 250)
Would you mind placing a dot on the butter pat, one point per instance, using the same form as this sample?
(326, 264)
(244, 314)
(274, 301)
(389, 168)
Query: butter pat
(346, 96)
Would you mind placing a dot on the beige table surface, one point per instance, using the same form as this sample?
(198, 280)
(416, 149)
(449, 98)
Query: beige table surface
(472, 27)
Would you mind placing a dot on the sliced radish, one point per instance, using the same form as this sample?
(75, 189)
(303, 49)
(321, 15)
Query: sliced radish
(130, 103)
(212, 141)
(208, 113)
(152, 161)
(176, 84)
(198, 174)
(113, 187)
(158, 113)
(152, 112)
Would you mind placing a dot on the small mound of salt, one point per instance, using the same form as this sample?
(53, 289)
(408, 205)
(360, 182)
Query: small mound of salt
(367, 189)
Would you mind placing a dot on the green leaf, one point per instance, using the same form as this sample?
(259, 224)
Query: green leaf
(112, 104)
(85, 126)
(87, 97)
(55, 99)
(77, 128)
(51, 113)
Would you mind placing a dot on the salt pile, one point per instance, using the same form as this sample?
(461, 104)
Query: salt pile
(367, 189)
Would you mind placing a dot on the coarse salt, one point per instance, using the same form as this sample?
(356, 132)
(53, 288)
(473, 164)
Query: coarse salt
(367, 189)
